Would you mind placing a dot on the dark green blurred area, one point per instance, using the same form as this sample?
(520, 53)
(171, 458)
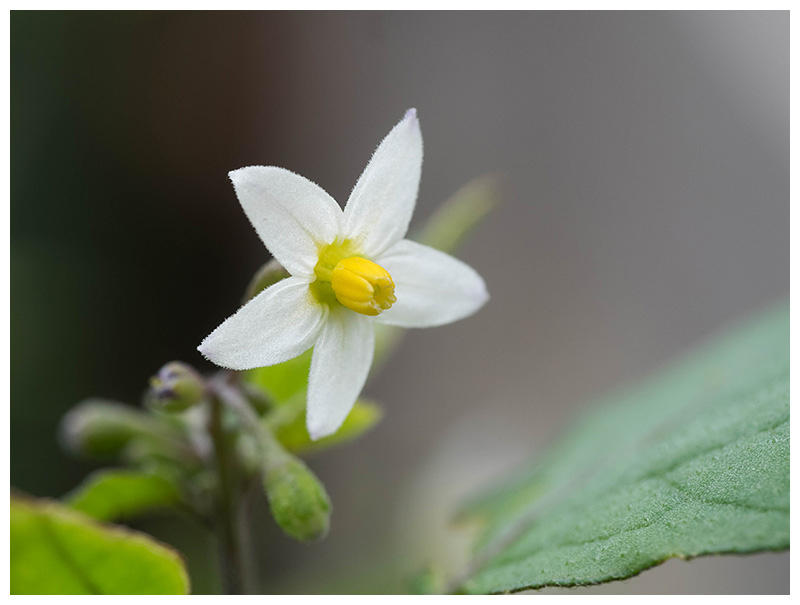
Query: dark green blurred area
(110, 242)
(118, 169)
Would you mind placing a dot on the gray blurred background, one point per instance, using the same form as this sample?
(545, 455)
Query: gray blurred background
(647, 162)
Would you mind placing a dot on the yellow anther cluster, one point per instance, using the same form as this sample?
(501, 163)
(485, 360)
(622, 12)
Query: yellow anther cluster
(363, 286)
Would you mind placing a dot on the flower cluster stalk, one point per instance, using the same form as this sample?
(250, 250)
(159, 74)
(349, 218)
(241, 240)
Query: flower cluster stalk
(343, 283)
(228, 507)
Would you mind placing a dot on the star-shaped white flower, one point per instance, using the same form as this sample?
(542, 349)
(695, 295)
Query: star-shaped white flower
(348, 269)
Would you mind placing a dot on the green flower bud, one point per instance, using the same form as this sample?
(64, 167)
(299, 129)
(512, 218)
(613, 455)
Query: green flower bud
(98, 428)
(249, 454)
(176, 388)
(298, 500)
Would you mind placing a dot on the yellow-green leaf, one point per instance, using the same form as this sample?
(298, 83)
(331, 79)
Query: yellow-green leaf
(288, 425)
(283, 381)
(55, 550)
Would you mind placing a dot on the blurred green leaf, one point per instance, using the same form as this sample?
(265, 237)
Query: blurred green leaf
(111, 495)
(456, 218)
(693, 461)
(428, 581)
(100, 428)
(283, 381)
(286, 382)
(288, 424)
(55, 550)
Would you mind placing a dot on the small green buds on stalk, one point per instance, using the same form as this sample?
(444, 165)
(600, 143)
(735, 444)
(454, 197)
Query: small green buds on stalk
(298, 501)
(98, 428)
(176, 388)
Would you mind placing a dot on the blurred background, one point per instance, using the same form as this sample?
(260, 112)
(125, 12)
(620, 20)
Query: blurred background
(647, 162)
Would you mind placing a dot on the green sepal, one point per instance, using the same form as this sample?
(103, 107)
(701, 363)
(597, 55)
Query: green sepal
(55, 550)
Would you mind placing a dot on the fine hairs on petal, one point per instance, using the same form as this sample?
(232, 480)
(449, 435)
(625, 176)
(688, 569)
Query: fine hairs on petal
(278, 324)
(380, 206)
(432, 287)
(339, 367)
(291, 214)
(300, 225)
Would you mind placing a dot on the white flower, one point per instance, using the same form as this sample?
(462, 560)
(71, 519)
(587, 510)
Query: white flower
(348, 269)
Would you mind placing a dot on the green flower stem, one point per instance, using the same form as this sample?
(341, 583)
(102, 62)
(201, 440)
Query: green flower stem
(230, 508)
(228, 521)
(271, 452)
(297, 498)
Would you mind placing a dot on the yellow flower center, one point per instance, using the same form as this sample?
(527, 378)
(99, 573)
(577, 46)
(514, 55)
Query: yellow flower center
(355, 282)
(363, 286)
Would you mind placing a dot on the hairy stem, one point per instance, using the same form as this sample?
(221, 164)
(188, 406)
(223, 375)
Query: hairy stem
(228, 524)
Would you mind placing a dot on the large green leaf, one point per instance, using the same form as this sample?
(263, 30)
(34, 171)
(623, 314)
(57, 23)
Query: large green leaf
(693, 461)
(111, 495)
(55, 550)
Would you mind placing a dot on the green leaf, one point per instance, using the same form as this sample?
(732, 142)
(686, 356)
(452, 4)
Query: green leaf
(456, 218)
(284, 381)
(111, 495)
(101, 428)
(288, 424)
(55, 550)
(693, 461)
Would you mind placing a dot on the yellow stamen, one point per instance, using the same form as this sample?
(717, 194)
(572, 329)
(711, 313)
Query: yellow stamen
(362, 286)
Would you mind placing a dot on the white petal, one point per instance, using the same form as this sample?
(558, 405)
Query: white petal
(280, 323)
(339, 367)
(291, 215)
(432, 288)
(382, 202)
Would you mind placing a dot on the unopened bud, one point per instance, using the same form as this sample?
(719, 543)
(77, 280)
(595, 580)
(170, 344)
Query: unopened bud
(175, 388)
(99, 428)
(298, 500)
